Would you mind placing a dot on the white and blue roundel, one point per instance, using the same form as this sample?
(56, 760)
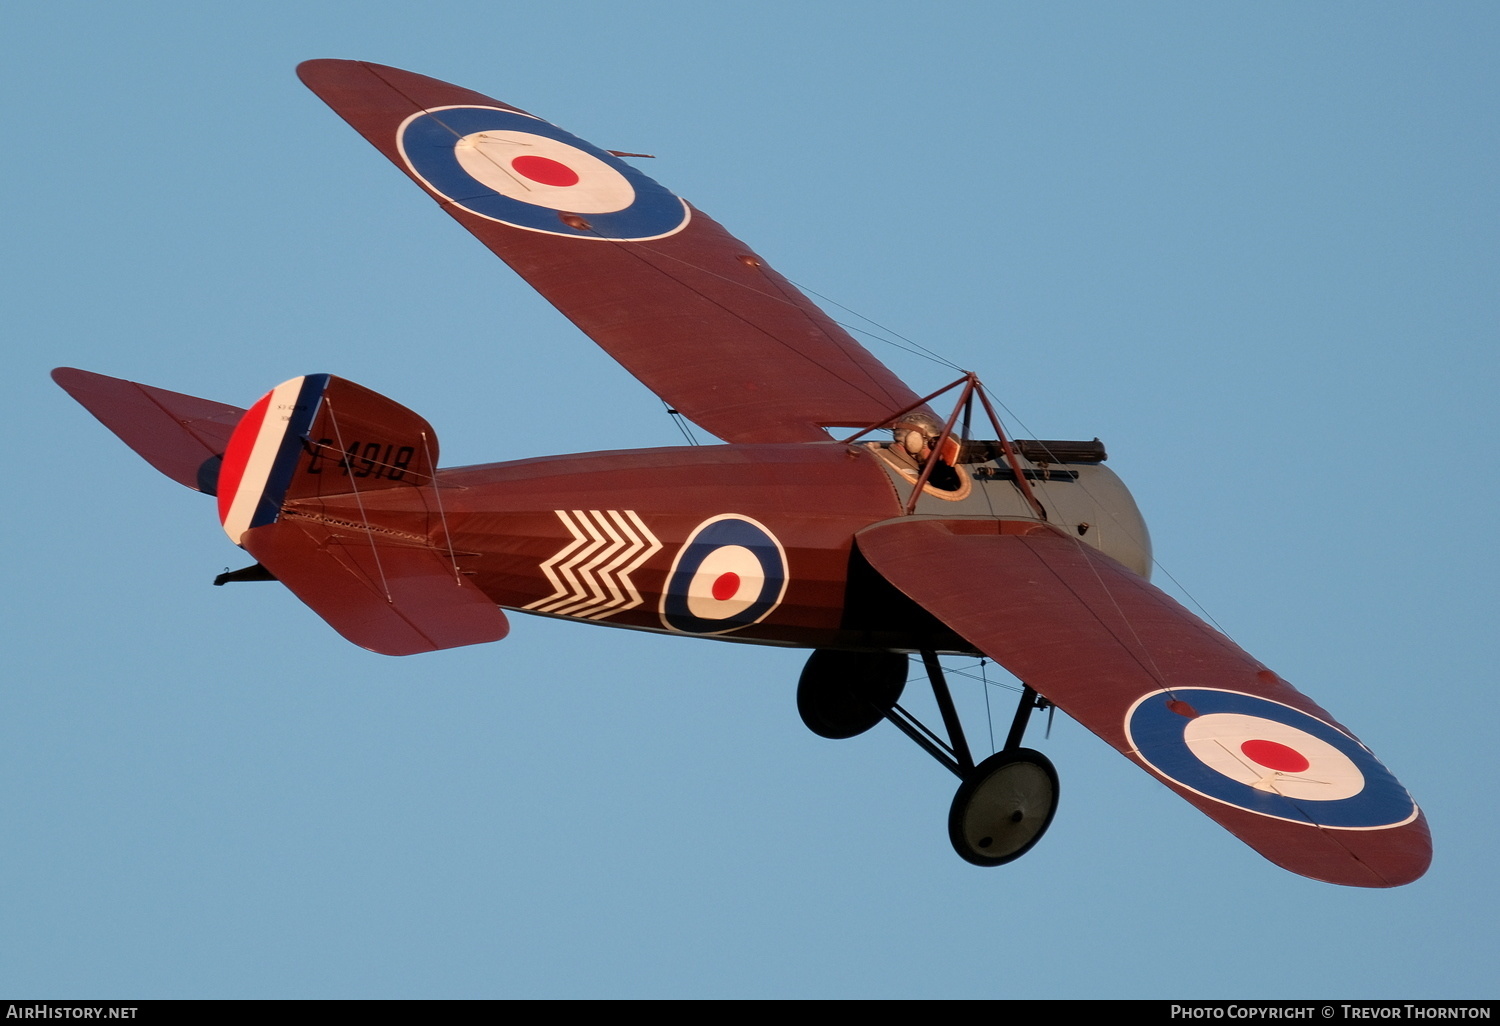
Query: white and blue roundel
(521, 171)
(1265, 757)
(730, 573)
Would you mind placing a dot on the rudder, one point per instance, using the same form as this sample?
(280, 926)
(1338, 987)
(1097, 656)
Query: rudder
(319, 435)
(323, 436)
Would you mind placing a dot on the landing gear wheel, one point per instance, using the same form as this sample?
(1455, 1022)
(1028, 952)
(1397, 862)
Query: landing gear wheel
(1003, 807)
(842, 694)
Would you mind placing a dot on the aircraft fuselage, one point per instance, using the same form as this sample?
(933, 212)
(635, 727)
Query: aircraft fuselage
(749, 543)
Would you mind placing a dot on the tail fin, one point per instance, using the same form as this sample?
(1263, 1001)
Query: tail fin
(319, 435)
(180, 435)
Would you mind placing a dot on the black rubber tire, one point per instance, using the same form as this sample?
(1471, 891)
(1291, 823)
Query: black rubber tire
(1003, 807)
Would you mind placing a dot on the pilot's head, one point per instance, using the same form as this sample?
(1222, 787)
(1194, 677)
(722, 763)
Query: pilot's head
(917, 432)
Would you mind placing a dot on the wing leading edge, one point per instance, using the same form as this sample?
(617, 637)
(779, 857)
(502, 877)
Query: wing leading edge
(1166, 690)
(683, 305)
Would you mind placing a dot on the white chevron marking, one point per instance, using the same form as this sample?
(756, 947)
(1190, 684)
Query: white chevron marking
(586, 571)
(561, 590)
(576, 589)
(595, 567)
(644, 535)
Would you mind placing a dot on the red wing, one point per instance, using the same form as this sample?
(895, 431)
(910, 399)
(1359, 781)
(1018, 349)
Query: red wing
(1167, 690)
(678, 301)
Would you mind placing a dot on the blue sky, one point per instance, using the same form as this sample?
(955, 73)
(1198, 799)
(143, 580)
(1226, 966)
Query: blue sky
(1251, 246)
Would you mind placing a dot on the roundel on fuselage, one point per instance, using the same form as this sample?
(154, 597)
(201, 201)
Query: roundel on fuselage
(729, 574)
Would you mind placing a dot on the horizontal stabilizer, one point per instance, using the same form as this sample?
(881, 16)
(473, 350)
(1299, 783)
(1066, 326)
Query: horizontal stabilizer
(388, 598)
(180, 435)
(1164, 688)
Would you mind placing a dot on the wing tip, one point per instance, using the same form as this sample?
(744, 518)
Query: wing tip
(1376, 859)
(64, 377)
(324, 71)
(316, 64)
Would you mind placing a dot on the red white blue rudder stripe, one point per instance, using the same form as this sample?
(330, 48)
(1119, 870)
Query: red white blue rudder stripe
(263, 454)
(519, 170)
(729, 574)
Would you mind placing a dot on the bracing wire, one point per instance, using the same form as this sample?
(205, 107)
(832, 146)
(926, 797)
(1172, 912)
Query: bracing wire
(681, 422)
(917, 348)
(360, 502)
(989, 717)
(1154, 561)
(437, 493)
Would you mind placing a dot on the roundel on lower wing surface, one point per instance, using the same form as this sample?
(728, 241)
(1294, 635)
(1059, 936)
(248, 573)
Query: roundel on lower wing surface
(1267, 758)
(730, 573)
(521, 171)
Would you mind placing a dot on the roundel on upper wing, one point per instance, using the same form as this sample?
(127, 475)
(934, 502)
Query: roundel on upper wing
(521, 171)
(1265, 757)
(730, 573)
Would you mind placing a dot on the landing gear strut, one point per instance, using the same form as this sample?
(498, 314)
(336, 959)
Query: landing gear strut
(1003, 805)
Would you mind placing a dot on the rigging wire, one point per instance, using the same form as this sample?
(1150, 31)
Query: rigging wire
(1126, 529)
(637, 252)
(359, 500)
(681, 422)
(437, 492)
(918, 348)
(856, 329)
(983, 678)
(989, 717)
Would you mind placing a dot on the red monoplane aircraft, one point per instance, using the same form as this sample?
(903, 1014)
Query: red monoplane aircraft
(843, 515)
